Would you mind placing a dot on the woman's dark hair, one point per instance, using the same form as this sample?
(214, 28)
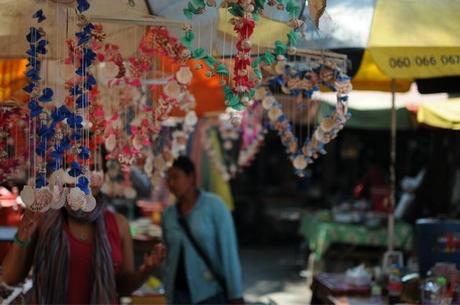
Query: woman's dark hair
(185, 164)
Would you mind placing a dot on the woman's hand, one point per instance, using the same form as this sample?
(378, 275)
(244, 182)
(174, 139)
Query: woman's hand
(28, 225)
(154, 259)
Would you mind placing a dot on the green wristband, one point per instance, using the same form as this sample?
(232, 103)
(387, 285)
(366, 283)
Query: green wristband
(20, 243)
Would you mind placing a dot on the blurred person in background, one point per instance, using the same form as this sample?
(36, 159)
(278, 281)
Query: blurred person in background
(202, 263)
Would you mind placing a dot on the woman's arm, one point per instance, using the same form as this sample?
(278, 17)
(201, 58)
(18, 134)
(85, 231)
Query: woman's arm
(18, 261)
(130, 279)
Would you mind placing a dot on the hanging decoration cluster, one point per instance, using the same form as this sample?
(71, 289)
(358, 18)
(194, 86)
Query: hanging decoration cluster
(252, 134)
(13, 126)
(173, 143)
(239, 144)
(60, 163)
(240, 91)
(302, 152)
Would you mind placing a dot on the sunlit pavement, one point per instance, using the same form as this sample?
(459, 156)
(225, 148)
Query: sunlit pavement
(271, 275)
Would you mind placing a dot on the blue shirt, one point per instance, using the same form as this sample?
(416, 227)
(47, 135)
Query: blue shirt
(212, 226)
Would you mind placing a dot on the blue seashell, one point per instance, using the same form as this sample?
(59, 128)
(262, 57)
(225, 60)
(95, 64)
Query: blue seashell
(39, 15)
(34, 35)
(40, 181)
(84, 153)
(47, 95)
(82, 101)
(82, 5)
(41, 149)
(29, 87)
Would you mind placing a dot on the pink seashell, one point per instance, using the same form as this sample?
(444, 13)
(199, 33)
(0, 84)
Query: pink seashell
(90, 204)
(109, 70)
(274, 114)
(148, 166)
(138, 142)
(191, 119)
(184, 75)
(28, 195)
(59, 197)
(172, 89)
(110, 142)
(43, 198)
(129, 193)
(96, 178)
(76, 198)
(300, 162)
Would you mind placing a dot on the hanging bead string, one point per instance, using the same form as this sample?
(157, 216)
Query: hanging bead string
(38, 198)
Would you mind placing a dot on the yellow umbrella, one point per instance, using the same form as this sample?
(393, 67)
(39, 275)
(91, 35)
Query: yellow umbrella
(442, 114)
(416, 39)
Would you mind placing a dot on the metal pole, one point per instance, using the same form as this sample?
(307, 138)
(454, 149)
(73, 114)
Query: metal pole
(392, 201)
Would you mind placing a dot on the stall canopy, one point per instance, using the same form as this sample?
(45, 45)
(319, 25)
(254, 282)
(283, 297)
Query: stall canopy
(372, 109)
(441, 114)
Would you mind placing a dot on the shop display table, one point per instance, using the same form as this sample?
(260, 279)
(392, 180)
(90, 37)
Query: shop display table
(322, 232)
(331, 289)
(149, 299)
(327, 285)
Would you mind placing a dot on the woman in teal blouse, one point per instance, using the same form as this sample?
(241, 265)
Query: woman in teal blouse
(188, 279)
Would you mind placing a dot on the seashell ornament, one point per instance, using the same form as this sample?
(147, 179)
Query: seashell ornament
(110, 143)
(172, 89)
(76, 199)
(299, 162)
(90, 204)
(184, 75)
(28, 195)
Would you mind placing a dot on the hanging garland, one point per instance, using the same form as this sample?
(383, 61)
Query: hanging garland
(156, 42)
(173, 144)
(215, 159)
(253, 135)
(239, 145)
(62, 135)
(302, 152)
(245, 15)
(44, 141)
(13, 124)
(79, 196)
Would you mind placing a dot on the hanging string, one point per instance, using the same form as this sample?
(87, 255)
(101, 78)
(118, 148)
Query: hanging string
(210, 38)
(199, 33)
(230, 74)
(223, 46)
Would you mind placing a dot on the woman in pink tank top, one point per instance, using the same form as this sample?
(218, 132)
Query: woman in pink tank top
(78, 257)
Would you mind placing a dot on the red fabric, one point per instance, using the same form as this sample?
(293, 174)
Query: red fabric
(80, 261)
(380, 196)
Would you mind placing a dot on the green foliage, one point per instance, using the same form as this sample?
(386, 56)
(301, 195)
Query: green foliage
(188, 13)
(210, 61)
(222, 69)
(280, 48)
(293, 37)
(198, 53)
(257, 72)
(236, 10)
(293, 9)
(187, 39)
(268, 58)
